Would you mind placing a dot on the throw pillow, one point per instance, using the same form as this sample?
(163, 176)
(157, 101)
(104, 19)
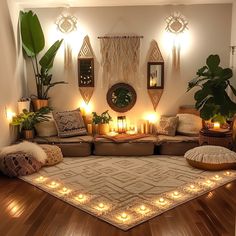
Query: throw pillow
(167, 125)
(69, 123)
(211, 158)
(18, 164)
(54, 154)
(189, 124)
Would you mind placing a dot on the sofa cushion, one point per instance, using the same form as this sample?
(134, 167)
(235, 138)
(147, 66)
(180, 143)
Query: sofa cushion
(176, 139)
(56, 139)
(211, 158)
(167, 125)
(189, 124)
(18, 164)
(69, 123)
(54, 154)
(148, 139)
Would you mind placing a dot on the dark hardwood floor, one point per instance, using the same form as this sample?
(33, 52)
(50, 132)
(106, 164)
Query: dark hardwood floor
(26, 210)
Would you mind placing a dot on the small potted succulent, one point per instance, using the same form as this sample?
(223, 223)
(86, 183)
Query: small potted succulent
(27, 120)
(102, 122)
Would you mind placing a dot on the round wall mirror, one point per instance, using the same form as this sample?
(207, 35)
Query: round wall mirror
(121, 97)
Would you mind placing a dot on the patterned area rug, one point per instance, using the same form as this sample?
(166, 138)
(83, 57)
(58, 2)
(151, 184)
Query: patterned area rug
(126, 191)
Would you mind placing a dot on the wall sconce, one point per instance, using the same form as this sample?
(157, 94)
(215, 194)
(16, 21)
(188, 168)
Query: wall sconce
(66, 23)
(176, 25)
(9, 114)
(121, 124)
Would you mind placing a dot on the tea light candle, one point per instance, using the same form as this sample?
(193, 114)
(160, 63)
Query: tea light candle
(175, 194)
(143, 208)
(216, 177)
(101, 205)
(192, 186)
(53, 184)
(124, 216)
(162, 201)
(216, 125)
(228, 173)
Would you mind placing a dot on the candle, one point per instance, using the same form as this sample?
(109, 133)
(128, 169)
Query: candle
(162, 201)
(64, 189)
(228, 173)
(124, 215)
(175, 194)
(192, 186)
(90, 128)
(101, 205)
(146, 127)
(216, 125)
(143, 208)
(142, 129)
(217, 177)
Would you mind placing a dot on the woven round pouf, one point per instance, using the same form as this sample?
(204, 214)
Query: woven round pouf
(19, 164)
(54, 154)
(211, 158)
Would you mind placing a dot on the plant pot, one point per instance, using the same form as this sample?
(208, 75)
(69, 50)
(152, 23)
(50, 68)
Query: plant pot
(23, 105)
(103, 129)
(28, 134)
(39, 103)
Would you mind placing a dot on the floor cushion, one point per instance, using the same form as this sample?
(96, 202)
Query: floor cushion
(19, 164)
(211, 158)
(54, 154)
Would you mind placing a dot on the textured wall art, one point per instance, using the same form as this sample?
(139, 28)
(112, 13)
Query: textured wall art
(120, 58)
(86, 70)
(155, 74)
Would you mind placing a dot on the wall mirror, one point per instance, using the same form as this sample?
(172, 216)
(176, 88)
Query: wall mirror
(86, 72)
(155, 75)
(121, 97)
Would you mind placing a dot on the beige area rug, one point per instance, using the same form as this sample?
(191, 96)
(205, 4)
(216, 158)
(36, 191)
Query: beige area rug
(126, 191)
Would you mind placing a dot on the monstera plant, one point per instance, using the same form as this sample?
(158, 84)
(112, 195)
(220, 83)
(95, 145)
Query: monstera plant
(212, 99)
(33, 43)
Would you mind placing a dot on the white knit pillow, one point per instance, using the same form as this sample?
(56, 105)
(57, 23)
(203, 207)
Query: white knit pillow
(213, 157)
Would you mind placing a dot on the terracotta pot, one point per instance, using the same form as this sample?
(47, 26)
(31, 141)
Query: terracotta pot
(28, 134)
(103, 129)
(39, 103)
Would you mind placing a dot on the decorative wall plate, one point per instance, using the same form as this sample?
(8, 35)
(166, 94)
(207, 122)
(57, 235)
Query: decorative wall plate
(121, 97)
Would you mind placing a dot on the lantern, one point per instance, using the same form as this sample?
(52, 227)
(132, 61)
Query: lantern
(121, 124)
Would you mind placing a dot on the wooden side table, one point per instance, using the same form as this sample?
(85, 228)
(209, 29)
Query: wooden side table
(217, 138)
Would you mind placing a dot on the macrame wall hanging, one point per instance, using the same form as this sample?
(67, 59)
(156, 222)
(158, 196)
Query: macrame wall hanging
(155, 74)
(66, 23)
(86, 70)
(176, 25)
(120, 58)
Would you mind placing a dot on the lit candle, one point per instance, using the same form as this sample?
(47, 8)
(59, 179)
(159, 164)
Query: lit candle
(217, 177)
(162, 201)
(124, 215)
(228, 173)
(216, 125)
(192, 186)
(41, 178)
(81, 196)
(90, 128)
(101, 205)
(142, 129)
(143, 208)
(64, 190)
(175, 194)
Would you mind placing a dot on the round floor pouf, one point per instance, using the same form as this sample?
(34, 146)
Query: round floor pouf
(19, 164)
(211, 158)
(54, 154)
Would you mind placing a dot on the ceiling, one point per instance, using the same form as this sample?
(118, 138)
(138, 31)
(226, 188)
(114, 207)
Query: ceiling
(95, 3)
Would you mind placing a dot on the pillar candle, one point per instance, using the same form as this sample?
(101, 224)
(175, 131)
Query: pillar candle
(90, 128)
(142, 128)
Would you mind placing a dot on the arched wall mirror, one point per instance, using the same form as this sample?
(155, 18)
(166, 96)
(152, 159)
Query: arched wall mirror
(121, 97)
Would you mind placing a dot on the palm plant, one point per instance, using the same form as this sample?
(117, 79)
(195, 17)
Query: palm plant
(33, 43)
(212, 99)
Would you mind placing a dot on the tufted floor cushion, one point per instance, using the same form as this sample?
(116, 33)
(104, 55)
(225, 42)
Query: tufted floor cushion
(54, 154)
(211, 158)
(19, 164)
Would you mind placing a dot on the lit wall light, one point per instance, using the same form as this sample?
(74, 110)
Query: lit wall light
(86, 109)
(67, 23)
(176, 26)
(9, 114)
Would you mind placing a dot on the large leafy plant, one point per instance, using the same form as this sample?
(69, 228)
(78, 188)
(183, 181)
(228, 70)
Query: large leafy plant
(33, 43)
(212, 100)
(104, 118)
(27, 120)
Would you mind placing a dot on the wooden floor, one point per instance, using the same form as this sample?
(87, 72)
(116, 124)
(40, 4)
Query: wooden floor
(26, 210)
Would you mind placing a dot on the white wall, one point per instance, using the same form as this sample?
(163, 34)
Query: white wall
(209, 32)
(10, 69)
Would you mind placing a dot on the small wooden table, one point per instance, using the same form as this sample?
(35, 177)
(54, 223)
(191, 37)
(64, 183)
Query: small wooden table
(219, 137)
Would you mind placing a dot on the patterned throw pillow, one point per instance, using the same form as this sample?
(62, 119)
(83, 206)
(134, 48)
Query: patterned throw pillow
(168, 125)
(69, 123)
(54, 154)
(18, 164)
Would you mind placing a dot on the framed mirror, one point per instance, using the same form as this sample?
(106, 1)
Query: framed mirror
(155, 75)
(86, 72)
(121, 97)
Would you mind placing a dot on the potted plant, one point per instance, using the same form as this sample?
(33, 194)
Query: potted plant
(102, 121)
(27, 120)
(33, 43)
(212, 99)
(23, 103)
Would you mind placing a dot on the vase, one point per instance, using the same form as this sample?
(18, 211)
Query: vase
(28, 134)
(23, 105)
(103, 129)
(39, 103)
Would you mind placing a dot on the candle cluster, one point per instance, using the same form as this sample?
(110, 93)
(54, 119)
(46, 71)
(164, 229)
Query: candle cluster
(165, 201)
